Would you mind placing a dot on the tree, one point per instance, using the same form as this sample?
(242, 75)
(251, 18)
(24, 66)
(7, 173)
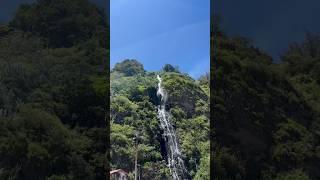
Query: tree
(35, 145)
(129, 67)
(63, 23)
(170, 68)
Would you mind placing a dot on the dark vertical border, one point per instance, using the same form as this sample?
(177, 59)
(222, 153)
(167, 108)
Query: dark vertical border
(107, 118)
(212, 82)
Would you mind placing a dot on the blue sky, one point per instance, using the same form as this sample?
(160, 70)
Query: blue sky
(157, 32)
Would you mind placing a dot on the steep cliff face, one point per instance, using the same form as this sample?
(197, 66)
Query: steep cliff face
(134, 104)
(184, 93)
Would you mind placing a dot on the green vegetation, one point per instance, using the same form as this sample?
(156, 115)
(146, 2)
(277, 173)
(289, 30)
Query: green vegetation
(53, 92)
(134, 111)
(129, 67)
(265, 115)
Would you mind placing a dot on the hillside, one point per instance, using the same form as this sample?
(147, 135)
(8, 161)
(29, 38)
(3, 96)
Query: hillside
(266, 115)
(53, 91)
(134, 104)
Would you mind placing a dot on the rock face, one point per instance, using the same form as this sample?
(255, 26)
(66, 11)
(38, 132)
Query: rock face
(174, 158)
(183, 92)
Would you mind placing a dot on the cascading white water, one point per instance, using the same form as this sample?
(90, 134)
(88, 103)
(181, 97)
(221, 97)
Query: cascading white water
(175, 162)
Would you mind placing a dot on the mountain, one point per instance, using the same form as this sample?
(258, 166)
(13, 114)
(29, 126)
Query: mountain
(265, 114)
(134, 104)
(53, 92)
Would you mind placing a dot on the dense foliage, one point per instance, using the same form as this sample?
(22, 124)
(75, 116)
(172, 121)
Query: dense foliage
(134, 114)
(62, 23)
(265, 115)
(53, 91)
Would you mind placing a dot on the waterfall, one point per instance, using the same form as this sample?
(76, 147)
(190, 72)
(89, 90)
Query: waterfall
(174, 157)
